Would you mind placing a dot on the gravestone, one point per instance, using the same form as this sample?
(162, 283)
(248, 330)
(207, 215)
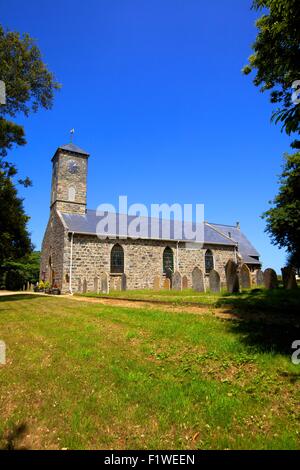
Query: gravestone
(79, 285)
(198, 280)
(117, 283)
(167, 283)
(104, 283)
(214, 281)
(177, 281)
(96, 284)
(84, 287)
(185, 282)
(156, 283)
(270, 279)
(123, 282)
(245, 277)
(259, 278)
(289, 278)
(232, 279)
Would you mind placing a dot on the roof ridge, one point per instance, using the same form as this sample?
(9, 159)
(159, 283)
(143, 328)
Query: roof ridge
(222, 234)
(223, 225)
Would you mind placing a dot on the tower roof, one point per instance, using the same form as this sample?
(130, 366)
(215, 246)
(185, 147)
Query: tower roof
(73, 148)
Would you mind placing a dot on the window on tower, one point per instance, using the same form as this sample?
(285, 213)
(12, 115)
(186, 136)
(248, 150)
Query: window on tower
(71, 194)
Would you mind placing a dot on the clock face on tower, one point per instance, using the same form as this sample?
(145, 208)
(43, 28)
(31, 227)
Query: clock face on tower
(73, 167)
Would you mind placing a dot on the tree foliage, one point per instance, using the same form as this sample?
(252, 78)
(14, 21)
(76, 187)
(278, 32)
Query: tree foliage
(15, 274)
(276, 58)
(14, 237)
(29, 86)
(283, 219)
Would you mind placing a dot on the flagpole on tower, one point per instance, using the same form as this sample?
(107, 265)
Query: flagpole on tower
(71, 135)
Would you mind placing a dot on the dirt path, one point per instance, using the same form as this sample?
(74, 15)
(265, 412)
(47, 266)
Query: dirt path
(143, 304)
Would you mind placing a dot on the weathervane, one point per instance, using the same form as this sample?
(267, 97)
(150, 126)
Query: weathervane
(71, 135)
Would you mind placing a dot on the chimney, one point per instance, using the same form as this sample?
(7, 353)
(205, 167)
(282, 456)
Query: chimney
(238, 225)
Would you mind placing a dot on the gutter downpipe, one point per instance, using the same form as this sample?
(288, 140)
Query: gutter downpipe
(71, 264)
(177, 260)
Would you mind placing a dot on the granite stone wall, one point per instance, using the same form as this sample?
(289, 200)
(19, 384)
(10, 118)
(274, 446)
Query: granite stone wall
(53, 246)
(142, 261)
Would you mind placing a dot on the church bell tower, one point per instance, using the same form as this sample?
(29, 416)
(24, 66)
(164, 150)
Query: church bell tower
(69, 179)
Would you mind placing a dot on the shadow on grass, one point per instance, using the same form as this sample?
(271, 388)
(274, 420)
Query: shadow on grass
(271, 319)
(11, 438)
(13, 297)
(267, 338)
(274, 302)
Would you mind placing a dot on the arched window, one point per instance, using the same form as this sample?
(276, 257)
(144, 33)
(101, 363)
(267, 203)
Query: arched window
(117, 259)
(71, 194)
(209, 261)
(168, 261)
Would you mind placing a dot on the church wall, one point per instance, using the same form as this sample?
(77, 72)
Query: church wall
(142, 259)
(53, 246)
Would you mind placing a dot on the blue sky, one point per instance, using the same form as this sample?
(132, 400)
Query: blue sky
(155, 93)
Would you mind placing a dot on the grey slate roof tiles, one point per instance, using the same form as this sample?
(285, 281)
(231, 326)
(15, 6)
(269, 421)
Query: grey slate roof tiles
(212, 233)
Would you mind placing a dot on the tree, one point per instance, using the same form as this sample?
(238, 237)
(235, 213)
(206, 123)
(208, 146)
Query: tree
(14, 237)
(15, 274)
(29, 86)
(276, 59)
(283, 220)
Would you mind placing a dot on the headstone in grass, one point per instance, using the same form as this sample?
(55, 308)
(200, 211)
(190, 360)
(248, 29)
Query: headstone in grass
(198, 280)
(156, 283)
(259, 277)
(104, 283)
(96, 284)
(214, 281)
(118, 283)
(84, 286)
(167, 283)
(185, 282)
(245, 277)
(270, 279)
(123, 282)
(177, 281)
(232, 279)
(289, 277)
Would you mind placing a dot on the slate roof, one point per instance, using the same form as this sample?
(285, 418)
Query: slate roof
(73, 148)
(212, 233)
(245, 247)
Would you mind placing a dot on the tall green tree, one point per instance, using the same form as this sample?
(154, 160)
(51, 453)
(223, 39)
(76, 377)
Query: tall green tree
(14, 237)
(275, 62)
(29, 86)
(276, 59)
(283, 219)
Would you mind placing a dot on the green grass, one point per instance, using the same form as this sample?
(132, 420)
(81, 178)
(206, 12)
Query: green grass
(279, 301)
(187, 296)
(82, 375)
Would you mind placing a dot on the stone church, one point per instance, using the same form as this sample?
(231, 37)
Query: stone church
(74, 257)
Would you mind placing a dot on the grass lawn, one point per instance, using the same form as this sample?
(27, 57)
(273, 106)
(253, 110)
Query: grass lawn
(82, 375)
(280, 301)
(187, 296)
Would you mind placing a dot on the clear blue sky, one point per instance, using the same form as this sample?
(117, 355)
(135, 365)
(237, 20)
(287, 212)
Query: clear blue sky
(155, 93)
